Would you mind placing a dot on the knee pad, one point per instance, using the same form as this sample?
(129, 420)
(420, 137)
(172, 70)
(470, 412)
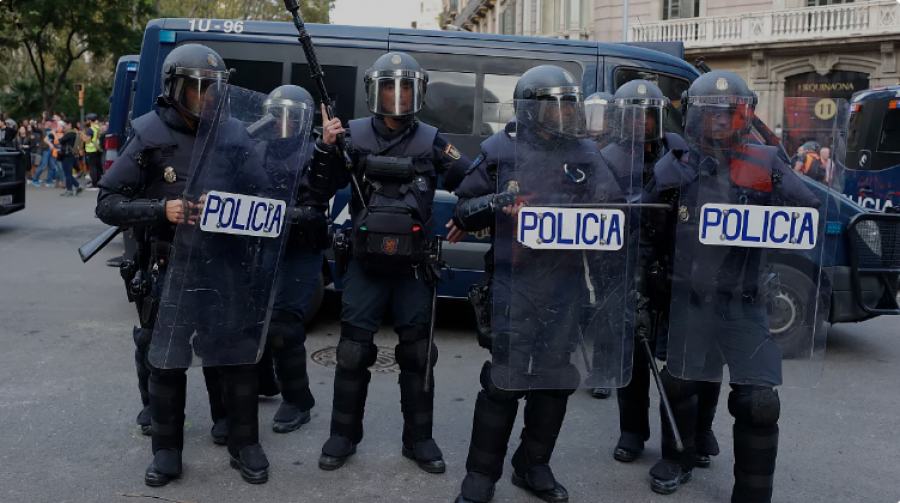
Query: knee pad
(286, 330)
(493, 392)
(142, 336)
(413, 356)
(756, 406)
(678, 390)
(356, 356)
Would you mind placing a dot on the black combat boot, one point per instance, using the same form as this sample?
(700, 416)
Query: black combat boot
(219, 432)
(676, 468)
(544, 414)
(601, 393)
(289, 418)
(241, 396)
(166, 466)
(634, 412)
(253, 464)
(707, 401)
(335, 452)
(167, 399)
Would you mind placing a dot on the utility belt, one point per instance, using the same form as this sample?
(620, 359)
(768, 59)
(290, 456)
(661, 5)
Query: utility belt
(347, 245)
(316, 238)
(141, 275)
(480, 298)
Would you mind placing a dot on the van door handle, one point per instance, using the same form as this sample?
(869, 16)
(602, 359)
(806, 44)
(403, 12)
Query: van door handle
(865, 190)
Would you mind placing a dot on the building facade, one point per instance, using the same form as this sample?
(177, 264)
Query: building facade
(782, 48)
(428, 17)
(572, 19)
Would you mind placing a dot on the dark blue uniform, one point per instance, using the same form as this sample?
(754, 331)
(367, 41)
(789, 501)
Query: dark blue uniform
(296, 283)
(542, 181)
(152, 168)
(747, 174)
(369, 292)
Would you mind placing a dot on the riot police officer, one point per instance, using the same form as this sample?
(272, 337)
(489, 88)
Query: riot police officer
(142, 189)
(718, 315)
(550, 136)
(662, 151)
(298, 275)
(597, 111)
(395, 164)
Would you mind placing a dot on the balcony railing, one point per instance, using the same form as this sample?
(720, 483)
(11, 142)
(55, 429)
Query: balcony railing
(836, 21)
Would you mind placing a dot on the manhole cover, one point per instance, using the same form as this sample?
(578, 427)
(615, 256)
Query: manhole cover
(383, 363)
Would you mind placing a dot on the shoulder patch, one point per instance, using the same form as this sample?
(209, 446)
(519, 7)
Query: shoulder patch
(452, 152)
(475, 163)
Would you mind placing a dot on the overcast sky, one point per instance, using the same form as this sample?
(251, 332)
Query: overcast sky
(385, 13)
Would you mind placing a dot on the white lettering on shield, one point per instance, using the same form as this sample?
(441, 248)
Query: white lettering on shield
(571, 228)
(243, 215)
(780, 227)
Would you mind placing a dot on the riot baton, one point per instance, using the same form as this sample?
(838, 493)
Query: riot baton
(89, 249)
(663, 397)
(641, 334)
(436, 259)
(315, 71)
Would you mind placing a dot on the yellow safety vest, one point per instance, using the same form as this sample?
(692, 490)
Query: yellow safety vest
(91, 146)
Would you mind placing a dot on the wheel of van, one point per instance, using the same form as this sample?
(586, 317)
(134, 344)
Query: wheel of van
(791, 316)
(315, 303)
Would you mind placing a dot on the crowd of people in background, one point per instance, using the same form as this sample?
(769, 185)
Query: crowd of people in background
(66, 154)
(814, 162)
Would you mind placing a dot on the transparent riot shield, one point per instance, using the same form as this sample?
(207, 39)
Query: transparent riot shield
(565, 249)
(218, 286)
(752, 271)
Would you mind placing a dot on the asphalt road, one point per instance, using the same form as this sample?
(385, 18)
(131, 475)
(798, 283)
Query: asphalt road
(68, 399)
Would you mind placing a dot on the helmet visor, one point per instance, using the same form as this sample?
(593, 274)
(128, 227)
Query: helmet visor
(290, 115)
(596, 114)
(191, 87)
(396, 93)
(561, 115)
(654, 116)
(718, 123)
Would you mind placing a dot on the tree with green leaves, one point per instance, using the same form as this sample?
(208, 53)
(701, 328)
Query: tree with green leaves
(314, 11)
(55, 37)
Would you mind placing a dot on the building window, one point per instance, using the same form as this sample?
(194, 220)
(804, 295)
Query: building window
(822, 3)
(889, 141)
(450, 102)
(550, 16)
(497, 108)
(259, 76)
(681, 9)
(508, 19)
(587, 13)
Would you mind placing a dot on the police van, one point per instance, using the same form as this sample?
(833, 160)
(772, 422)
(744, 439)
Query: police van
(120, 104)
(470, 76)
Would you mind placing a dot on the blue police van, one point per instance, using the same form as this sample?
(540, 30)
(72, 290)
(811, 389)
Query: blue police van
(471, 75)
(120, 104)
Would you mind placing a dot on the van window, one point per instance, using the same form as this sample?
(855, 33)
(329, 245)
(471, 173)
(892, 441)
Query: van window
(671, 87)
(450, 102)
(498, 90)
(889, 141)
(341, 84)
(259, 76)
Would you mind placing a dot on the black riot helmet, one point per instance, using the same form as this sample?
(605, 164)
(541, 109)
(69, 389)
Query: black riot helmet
(648, 96)
(551, 98)
(187, 73)
(597, 114)
(719, 109)
(291, 107)
(395, 85)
